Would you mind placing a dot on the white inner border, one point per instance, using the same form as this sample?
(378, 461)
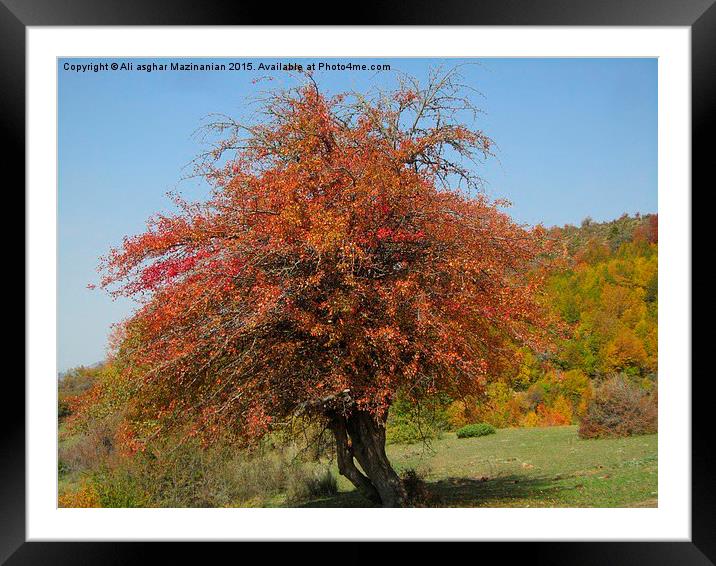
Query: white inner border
(670, 521)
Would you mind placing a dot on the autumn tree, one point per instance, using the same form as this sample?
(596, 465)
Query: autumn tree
(344, 255)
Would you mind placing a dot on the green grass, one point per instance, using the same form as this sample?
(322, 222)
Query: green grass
(519, 467)
(527, 467)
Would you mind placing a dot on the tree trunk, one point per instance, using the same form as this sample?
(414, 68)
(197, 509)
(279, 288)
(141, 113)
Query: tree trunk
(359, 436)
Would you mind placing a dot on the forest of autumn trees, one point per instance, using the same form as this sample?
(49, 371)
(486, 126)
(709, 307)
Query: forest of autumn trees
(605, 295)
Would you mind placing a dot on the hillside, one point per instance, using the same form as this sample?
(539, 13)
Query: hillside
(603, 295)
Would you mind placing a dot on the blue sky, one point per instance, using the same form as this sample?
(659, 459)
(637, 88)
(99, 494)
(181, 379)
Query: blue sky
(575, 137)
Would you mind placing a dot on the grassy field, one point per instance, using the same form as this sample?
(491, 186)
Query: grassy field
(527, 467)
(517, 467)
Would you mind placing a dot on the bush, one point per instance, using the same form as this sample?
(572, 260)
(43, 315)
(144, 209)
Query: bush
(119, 488)
(89, 449)
(74, 383)
(530, 420)
(306, 484)
(471, 430)
(62, 468)
(559, 414)
(77, 380)
(410, 432)
(415, 489)
(63, 409)
(187, 475)
(500, 407)
(85, 496)
(619, 408)
(409, 423)
(191, 476)
(534, 396)
(456, 414)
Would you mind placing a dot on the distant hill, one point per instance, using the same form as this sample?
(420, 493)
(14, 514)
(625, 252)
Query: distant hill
(61, 374)
(612, 233)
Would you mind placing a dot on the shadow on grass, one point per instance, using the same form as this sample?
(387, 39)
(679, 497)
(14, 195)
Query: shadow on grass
(463, 492)
(493, 492)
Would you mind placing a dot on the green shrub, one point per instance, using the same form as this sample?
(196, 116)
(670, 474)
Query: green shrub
(471, 430)
(409, 432)
(118, 488)
(409, 423)
(63, 409)
(62, 468)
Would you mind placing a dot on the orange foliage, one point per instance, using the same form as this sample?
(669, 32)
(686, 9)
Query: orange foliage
(85, 496)
(625, 350)
(551, 416)
(330, 257)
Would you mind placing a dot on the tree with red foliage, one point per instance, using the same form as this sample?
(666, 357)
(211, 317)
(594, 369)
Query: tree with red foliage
(344, 255)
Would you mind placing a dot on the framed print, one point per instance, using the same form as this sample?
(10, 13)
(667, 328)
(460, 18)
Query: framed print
(426, 277)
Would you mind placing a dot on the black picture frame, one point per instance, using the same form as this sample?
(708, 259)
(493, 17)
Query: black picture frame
(16, 15)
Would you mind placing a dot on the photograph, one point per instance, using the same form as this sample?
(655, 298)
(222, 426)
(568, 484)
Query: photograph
(358, 282)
